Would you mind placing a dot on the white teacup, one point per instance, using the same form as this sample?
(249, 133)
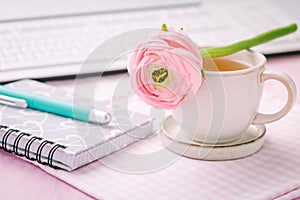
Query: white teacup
(227, 102)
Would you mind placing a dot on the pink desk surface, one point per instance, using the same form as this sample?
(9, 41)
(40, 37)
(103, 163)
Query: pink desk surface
(22, 180)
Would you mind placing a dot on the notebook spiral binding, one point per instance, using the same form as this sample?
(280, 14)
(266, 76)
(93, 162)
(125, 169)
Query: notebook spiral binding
(38, 156)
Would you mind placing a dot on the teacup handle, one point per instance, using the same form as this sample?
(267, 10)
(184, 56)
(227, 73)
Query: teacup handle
(260, 118)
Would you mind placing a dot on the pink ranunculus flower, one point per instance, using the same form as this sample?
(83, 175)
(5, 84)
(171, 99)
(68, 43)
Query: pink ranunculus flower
(165, 68)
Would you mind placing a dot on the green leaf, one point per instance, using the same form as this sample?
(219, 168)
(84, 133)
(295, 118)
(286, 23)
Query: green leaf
(164, 27)
(203, 74)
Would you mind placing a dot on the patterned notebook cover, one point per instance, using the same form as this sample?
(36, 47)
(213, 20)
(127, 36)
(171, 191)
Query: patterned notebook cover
(63, 142)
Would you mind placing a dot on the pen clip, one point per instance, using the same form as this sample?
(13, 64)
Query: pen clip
(11, 101)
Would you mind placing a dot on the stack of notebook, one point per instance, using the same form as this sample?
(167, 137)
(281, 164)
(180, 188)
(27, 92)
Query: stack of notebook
(62, 142)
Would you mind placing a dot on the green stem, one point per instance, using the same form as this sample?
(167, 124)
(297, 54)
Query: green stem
(248, 43)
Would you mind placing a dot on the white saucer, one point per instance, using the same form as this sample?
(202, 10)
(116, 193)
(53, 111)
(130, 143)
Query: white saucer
(174, 138)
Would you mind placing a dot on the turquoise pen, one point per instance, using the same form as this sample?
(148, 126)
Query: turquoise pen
(17, 98)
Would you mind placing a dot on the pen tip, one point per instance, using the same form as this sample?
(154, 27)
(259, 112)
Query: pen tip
(107, 117)
(99, 117)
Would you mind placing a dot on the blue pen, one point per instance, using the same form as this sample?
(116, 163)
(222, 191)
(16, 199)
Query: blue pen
(17, 98)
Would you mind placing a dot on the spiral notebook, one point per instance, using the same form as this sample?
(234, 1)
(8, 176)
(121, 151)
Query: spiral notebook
(62, 142)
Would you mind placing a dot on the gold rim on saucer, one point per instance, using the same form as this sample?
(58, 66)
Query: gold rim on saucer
(174, 138)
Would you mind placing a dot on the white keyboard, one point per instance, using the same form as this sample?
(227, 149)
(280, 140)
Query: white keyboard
(52, 46)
